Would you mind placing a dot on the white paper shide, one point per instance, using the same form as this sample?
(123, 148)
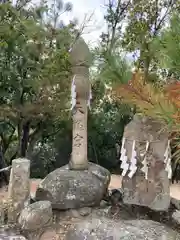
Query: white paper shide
(73, 93)
(133, 167)
(144, 169)
(167, 160)
(123, 158)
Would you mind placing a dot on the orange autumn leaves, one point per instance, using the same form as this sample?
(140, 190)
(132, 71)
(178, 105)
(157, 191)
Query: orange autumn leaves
(158, 102)
(173, 92)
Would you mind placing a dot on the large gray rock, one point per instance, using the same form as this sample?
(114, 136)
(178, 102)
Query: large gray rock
(67, 189)
(103, 229)
(35, 219)
(36, 216)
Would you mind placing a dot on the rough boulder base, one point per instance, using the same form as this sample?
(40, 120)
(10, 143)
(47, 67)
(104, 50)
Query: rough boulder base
(103, 229)
(68, 189)
(36, 216)
(153, 192)
(7, 233)
(35, 219)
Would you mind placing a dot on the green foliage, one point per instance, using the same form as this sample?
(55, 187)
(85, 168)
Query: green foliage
(34, 72)
(35, 76)
(115, 16)
(169, 47)
(152, 36)
(105, 130)
(116, 70)
(145, 21)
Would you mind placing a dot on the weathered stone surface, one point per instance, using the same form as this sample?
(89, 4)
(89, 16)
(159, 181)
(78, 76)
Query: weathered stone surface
(153, 192)
(78, 213)
(19, 186)
(80, 53)
(100, 172)
(49, 234)
(103, 204)
(80, 59)
(12, 236)
(103, 229)
(85, 211)
(67, 189)
(175, 202)
(176, 216)
(7, 233)
(36, 216)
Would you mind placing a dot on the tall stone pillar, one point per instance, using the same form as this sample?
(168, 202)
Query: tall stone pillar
(81, 95)
(19, 187)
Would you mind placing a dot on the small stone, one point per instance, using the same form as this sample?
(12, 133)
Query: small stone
(103, 204)
(176, 216)
(36, 216)
(73, 213)
(115, 196)
(176, 203)
(85, 211)
(48, 234)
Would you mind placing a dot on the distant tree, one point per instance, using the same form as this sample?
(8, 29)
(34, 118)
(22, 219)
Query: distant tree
(34, 71)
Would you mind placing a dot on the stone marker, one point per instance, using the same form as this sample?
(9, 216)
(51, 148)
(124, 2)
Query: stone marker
(81, 96)
(19, 187)
(145, 157)
(80, 183)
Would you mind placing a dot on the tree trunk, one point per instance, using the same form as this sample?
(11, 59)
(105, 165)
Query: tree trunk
(4, 176)
(24, 140)
(23, 137)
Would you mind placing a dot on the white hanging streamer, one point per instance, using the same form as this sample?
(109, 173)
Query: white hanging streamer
(123, 158)
(167, 160)
(73, 93)
(89, 99)
(144, 162)
(133, 167)
(166, 154)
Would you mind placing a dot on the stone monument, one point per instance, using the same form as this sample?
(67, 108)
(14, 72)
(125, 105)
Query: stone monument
(80, 183)
(146, 164)
(81, 96)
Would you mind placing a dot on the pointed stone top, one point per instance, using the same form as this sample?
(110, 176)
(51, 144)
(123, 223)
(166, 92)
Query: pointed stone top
(80, 54)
